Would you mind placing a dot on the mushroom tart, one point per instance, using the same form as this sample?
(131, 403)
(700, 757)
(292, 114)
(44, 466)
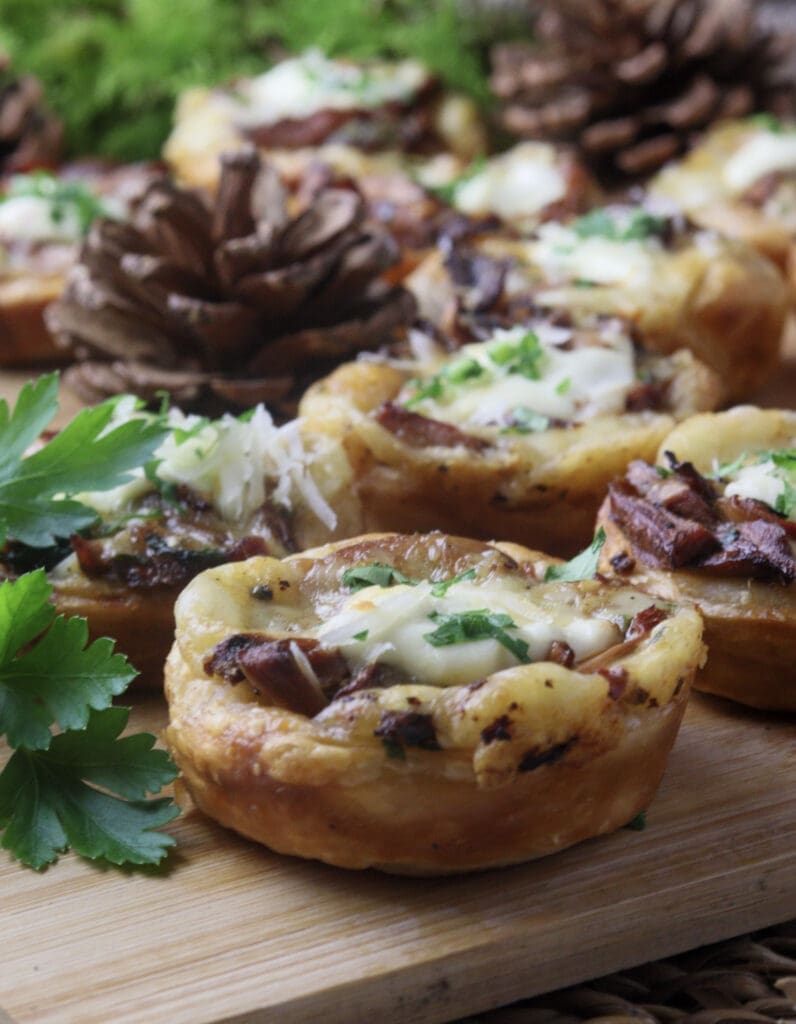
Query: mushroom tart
(741, 180)
(423, 704)
(714, 523)
(516, 435)
(43, 221)
(679, 286)
(356, 117)
(217, 491)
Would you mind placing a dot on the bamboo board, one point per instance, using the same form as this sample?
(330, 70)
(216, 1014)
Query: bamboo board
(231, 932)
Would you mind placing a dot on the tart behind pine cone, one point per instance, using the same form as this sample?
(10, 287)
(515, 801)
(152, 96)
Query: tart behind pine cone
(229, 304)
(629, 81)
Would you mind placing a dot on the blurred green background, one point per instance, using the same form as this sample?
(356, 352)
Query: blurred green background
(112, 68)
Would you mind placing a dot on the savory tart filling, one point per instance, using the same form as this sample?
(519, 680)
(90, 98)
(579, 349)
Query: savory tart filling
(216, 491)
(740, 523)
(380, 627)
(524, 377)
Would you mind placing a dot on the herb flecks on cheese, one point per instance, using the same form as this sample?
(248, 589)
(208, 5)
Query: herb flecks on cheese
(234, 463)
(40, 207)
(302, 86)
(520, 379)
(450, 636)
(768, 476)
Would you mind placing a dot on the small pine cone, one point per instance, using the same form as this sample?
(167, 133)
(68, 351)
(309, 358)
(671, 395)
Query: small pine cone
(30, 136)
(227, 305)
(630, 81)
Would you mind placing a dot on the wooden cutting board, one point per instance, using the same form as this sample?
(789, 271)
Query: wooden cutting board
(231, 932)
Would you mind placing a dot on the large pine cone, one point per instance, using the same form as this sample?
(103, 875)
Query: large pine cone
(30, 136)
(227, 305)
(630, 80)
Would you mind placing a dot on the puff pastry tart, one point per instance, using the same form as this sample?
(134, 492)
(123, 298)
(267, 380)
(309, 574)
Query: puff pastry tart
(515, 436)
(219, 491)
(422, 704)
(741, 180)
(714, 523)
(355, 117)
(43, 219)
(680, 287)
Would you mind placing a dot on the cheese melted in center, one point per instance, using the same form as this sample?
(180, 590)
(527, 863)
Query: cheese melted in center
(772, 480)
(516, 184)
(485, 385)
(391, 626)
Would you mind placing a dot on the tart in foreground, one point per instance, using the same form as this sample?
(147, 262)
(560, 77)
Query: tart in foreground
(714, 524)
(423, 704)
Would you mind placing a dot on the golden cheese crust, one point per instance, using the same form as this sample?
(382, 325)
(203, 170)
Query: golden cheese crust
(516, 765)
(542, 489)
(750, 625)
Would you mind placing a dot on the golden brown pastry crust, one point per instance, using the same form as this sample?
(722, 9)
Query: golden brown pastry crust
(541, 489)
(750, 626)
(719, 298)
(24, 337)
(325, 787)
(688, 181)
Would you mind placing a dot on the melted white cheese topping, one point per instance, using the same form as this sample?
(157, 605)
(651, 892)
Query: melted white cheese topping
(227, 462)
(764, 481)
(763, 153)
(33, 219)
(564, 256)
(516, 184)
(573, 385)
(396, 621)
(301, 86)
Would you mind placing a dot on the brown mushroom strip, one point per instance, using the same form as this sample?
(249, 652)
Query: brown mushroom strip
(418, 431)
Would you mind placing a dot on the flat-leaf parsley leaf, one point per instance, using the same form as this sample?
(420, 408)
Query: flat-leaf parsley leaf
(582, 567)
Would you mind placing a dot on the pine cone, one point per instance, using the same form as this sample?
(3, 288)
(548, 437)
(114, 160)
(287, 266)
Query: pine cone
(30, 136)
(630, 80)
(228, 305)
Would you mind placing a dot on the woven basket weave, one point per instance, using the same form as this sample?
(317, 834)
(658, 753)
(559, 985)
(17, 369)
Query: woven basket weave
(750, 980)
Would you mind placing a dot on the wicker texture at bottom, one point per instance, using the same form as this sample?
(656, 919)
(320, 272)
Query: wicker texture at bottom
(751, 979)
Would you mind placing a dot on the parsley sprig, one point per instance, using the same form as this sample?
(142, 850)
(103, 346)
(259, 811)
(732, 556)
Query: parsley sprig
(480, 624)
(63, 196)
(619, 225)
(582, 567)
(83, 786)
(378, 574)
(35, 503)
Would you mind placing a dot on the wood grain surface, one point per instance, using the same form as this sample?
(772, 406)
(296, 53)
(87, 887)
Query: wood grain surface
(231, 932)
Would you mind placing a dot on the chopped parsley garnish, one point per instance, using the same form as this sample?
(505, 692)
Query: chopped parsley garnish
(563, 386)
(376, 574)
(523, 420)
(466, 627)
(619, 226)
(84, 786)
(785, 504)
(768, 122)
(62, 196)
(361, 636)
(441, 589)
(582, 567)
(36, 506)
(520, 356)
